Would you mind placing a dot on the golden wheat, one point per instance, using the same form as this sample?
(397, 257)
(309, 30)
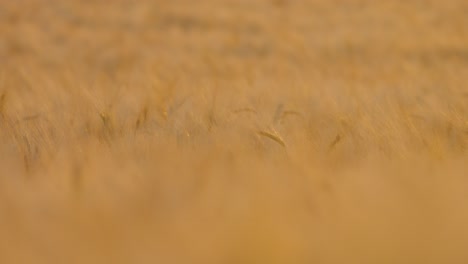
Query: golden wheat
(247, 131)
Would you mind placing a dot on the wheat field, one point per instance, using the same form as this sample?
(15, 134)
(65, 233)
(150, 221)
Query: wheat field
(233, 131)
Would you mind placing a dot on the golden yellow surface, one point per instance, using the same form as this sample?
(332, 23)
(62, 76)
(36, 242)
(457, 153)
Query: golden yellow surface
(233, 131)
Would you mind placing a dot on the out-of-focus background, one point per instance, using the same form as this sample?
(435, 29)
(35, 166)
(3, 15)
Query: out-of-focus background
(233, 131)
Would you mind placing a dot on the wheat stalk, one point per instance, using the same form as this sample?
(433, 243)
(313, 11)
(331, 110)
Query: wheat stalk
(273, 136)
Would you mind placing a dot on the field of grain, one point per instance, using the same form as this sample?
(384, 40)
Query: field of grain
(233, 131)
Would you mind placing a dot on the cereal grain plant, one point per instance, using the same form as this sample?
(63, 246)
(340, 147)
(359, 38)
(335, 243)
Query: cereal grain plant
(221, 131)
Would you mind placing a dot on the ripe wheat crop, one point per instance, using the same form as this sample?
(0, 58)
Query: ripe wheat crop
(233, 131)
